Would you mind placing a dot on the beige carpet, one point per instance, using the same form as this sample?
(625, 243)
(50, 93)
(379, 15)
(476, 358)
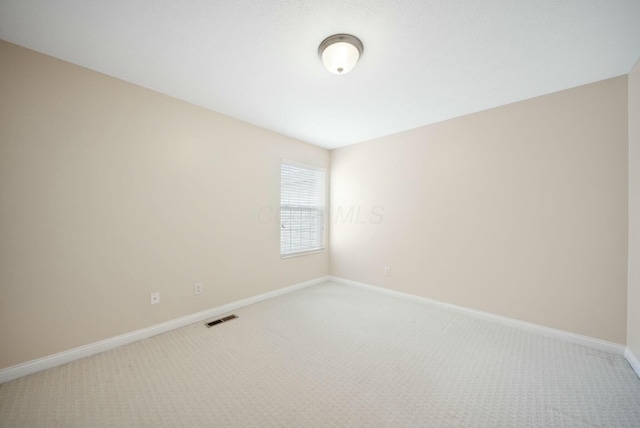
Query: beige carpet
(334, 356)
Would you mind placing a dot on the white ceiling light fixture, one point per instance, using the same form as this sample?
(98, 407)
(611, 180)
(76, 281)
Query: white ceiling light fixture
(340, 52)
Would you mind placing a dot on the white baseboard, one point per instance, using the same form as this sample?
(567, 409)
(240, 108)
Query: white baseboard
(64, 357)
(633, 361)
(575, 338)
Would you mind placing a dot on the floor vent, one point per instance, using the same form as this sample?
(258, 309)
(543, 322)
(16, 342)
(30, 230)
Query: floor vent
(221, 320)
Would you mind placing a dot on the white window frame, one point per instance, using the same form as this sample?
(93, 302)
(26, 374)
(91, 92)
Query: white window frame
(306, 234)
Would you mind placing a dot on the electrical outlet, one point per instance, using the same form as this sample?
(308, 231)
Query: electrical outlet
(197, 289)
(387, 271)
(155, 297)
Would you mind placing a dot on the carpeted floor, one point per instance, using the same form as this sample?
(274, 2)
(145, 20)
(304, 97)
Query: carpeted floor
(334, 356)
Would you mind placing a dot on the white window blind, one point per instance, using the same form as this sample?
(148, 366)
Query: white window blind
(301, 208)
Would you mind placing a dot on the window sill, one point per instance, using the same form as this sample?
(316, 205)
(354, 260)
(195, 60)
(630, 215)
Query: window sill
(302, 253)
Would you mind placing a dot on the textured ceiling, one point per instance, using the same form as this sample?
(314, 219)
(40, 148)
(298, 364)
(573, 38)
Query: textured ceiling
(424, 60)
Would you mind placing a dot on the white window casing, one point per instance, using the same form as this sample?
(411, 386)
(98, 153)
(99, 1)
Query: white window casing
(302, 208)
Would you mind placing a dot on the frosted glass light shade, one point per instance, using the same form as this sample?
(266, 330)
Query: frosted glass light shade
(340, 53)
(340, 58)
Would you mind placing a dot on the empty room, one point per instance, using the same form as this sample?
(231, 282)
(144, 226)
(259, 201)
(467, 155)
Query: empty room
(381, 213)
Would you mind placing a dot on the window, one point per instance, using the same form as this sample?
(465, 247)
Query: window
(301, 208)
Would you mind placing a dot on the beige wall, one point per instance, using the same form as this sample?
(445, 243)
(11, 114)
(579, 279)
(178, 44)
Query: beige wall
(110, 191)
(519, 211)
(633, 323)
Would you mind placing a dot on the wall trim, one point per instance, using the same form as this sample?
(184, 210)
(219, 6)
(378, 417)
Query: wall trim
(64, 357)
(575, 338)
(634, 362)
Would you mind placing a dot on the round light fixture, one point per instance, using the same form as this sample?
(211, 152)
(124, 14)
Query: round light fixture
(340, 52)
